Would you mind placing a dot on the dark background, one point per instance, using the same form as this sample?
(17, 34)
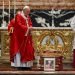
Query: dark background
(60, 18)
(46, 15)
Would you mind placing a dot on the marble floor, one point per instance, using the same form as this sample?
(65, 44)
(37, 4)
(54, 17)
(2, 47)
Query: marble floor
(6, 69)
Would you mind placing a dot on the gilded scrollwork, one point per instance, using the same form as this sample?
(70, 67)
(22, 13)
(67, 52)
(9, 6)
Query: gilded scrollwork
(4, 45)
(53, 39)
(45, 40)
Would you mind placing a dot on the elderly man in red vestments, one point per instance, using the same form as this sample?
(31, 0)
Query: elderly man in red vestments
(21, 48)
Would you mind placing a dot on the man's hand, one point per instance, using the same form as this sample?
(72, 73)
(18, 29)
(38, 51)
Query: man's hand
(11, 30)
(28, 31)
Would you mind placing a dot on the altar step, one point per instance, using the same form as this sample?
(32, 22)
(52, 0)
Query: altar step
(6, 69)
(37, 73)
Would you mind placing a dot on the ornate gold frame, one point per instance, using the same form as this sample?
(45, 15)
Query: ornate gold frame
(66, 35)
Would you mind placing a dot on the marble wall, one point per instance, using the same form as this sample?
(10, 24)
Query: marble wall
(41, 4)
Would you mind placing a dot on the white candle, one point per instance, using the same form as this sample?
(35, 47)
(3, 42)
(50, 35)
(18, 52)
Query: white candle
(9, 10)
(14, 7)
(52, 17)
(3, 10)
(3, 25)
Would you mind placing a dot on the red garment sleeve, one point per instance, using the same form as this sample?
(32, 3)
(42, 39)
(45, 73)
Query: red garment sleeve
(30, 22)
(11, 24)
(19, 22)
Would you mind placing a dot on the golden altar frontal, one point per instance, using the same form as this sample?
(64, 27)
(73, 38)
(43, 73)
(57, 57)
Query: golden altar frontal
(47, 40)
(4, 42)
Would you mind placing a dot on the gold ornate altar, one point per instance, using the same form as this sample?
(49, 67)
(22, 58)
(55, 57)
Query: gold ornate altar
(47, 40)
(4, 41)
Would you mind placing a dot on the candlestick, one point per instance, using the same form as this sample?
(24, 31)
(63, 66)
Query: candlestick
(9, 10)
(14, 7)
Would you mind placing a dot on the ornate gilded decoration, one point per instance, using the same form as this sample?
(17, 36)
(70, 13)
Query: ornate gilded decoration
(44, 40)
(53, 40)
(4, 45)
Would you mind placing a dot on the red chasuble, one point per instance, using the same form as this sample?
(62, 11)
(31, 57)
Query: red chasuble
(18, 41)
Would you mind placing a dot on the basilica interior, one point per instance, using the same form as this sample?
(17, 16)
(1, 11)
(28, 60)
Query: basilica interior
(53, 36)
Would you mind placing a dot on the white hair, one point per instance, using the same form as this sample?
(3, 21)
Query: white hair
(26, 7)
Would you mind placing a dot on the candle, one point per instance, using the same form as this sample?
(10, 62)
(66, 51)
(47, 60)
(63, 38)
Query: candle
(9, 10)
(14, 7)
(3, 10)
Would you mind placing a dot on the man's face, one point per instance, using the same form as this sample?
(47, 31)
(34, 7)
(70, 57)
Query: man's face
(27, 12)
